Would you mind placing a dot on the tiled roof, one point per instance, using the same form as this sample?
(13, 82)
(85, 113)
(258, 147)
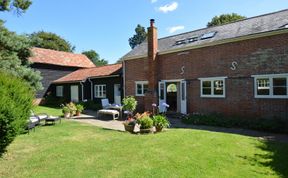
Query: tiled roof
(83, 74)
(60, 58)
(249, 26)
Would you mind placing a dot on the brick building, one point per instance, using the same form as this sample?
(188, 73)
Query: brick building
(236, 69)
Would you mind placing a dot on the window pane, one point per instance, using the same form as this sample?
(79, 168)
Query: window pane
(206, 88)
(206, 84)
(263, 86)
(145, 88)
(218, 87)
(162, 91)
(279, 86)
(139, 89)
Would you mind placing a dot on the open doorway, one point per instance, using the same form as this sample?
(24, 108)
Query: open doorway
(171, 97)
(173, 92)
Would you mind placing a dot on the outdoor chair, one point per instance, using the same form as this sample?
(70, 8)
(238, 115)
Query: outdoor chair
(32, 122)
(41, 117)
(105, 103)
(106, 110)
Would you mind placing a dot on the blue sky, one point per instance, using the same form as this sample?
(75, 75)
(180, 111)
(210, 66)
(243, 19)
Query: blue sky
(106, 25)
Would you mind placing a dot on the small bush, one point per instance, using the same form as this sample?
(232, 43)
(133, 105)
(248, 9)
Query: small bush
(16, 99)
(145, 122)
(53, 101)
(79, 107)
(276, 125)
(160, 121)
(129, 103)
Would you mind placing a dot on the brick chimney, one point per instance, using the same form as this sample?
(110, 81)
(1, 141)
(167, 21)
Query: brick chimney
(151, 95)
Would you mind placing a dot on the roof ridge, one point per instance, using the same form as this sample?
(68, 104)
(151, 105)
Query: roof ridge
(60, 51)
(237, 21)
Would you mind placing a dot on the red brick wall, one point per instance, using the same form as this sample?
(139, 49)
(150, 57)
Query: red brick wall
(265, 55)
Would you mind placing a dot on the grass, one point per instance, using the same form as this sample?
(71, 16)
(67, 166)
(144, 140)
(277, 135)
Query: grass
(72, 149)
(48, 110)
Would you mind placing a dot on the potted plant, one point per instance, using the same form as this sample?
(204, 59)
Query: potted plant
(129, 124)
(160, 122)
(72, 108)
(146, 124)
(129, 104)
(66, 111)
(79, 109)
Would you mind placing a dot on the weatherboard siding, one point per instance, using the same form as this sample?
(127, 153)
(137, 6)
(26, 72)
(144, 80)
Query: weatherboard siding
(49, 74)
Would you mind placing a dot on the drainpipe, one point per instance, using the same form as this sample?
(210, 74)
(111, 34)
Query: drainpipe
(82, 88)
(91, 91)
(123, 73)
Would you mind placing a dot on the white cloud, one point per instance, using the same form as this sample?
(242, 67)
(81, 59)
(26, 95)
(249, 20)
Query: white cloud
(168, 7)
(175, 28)
(153, 1)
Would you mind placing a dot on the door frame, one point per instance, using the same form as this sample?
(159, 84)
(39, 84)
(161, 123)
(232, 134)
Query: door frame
(183, 99)
(119, 87)
(72, 99)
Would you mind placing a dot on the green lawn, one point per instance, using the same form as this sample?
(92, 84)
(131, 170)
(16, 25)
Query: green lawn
(48, 110)
(72, 149)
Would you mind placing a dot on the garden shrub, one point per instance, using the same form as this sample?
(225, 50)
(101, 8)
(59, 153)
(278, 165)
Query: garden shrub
(145, 122)
(55, 102)
(15, 108)
(277, 125)
(92, 105)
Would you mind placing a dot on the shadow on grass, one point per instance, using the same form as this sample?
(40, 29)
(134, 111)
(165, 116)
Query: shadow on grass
(273, 155)
(277, 157)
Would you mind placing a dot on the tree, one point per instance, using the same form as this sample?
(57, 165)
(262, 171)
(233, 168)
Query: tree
(95, 58)
(15, 108)
(139, 37)
(50, 40)
(224, 18)
(14, 54)
(20, 5)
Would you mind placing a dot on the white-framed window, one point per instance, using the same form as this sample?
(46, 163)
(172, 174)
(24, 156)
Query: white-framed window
(99, 91)
(59, 91)
(271, 86)
(141, 88)
(213, 87)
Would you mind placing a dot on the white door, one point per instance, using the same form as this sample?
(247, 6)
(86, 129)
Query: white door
(117, 94)
(74, 93)
(162, 96)
(183, 94)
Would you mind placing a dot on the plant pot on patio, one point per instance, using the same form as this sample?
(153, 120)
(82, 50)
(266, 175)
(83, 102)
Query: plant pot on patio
(158, 129)
(129, 128)
(144, 131)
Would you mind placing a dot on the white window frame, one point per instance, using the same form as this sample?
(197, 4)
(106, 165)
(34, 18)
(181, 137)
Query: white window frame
(100, 94)
(59, 91)
(212, 79)
(142, 83)
(270, 77)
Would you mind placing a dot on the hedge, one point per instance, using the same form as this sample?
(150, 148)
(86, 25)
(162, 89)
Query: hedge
(16, 99)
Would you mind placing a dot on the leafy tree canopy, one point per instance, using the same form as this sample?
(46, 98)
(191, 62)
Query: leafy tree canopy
(139, 37)
(95, 58)
(14, 54)
(20, 5)
(50, 40)
(224, 18)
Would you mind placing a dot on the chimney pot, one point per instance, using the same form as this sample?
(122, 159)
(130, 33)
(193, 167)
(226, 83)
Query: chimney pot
(152, 21)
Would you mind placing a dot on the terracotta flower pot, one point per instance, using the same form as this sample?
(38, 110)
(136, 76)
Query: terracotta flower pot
(78, 113)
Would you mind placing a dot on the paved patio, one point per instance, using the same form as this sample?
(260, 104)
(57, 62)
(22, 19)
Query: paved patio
(90, 118)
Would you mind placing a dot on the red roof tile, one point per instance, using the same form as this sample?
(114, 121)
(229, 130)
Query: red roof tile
(83, 74)
(48, 56)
